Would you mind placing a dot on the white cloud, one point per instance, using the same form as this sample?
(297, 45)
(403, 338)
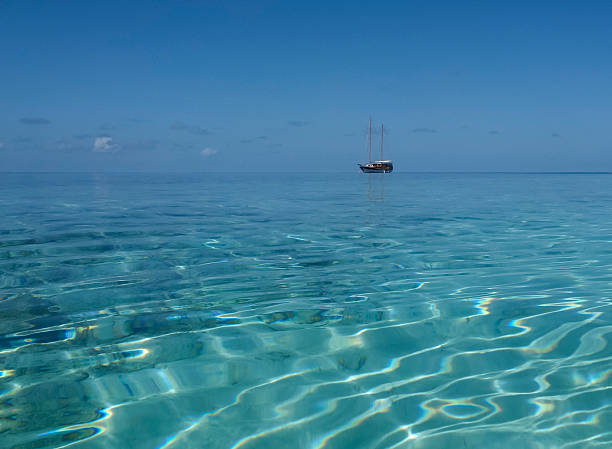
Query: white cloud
(208, 152)
(104, 145)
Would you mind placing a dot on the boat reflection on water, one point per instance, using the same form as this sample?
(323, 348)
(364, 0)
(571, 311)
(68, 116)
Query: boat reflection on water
(376, 189)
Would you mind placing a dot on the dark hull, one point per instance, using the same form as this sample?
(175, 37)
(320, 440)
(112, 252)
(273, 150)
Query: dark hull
(376, 168)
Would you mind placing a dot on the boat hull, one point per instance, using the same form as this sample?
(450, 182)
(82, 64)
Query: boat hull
(377, 167)
(375, 170)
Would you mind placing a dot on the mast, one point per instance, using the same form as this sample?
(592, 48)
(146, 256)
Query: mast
(382, 134)
(370, 142)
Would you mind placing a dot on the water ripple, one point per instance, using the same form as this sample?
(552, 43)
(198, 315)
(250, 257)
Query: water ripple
(400, 312)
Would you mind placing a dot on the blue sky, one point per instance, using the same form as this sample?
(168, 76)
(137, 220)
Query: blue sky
(289, 86)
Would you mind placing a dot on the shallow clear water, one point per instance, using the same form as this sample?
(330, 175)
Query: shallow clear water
(305, 311)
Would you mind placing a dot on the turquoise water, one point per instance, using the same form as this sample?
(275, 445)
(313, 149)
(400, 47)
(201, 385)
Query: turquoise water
(305, 311)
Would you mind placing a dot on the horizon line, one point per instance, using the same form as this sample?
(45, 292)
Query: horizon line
(535, 172)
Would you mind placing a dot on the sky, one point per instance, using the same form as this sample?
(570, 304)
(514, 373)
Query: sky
(290, 85)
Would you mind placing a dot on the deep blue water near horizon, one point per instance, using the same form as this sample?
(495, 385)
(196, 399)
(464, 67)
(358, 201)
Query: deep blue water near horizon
(305, 311)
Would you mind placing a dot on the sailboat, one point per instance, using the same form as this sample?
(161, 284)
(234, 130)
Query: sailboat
(380, 166)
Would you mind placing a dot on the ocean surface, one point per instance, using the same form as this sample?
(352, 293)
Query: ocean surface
(305, 311)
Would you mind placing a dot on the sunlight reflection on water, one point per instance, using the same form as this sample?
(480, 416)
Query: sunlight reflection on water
(314, 311)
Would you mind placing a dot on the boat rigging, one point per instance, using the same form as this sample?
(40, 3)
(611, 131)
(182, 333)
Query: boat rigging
(380, 166)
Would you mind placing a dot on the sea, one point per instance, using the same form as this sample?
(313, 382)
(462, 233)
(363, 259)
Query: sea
(294, 310)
